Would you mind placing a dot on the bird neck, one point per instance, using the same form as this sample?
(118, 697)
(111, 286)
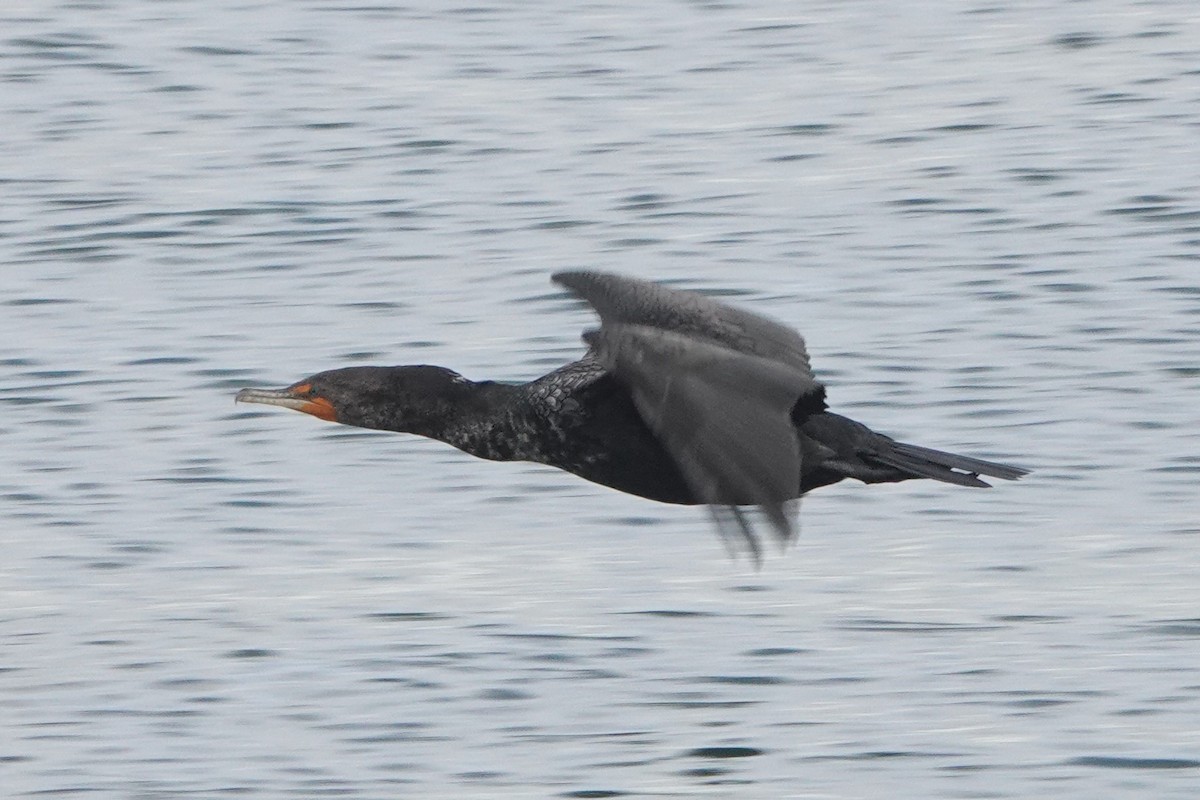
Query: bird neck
(490, 420)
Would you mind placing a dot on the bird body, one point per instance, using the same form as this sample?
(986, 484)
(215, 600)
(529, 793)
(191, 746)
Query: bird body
(679, 399)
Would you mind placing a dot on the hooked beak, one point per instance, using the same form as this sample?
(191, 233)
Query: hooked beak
(298, 398)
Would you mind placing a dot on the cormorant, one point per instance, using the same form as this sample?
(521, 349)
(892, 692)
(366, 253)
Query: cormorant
(679, 399)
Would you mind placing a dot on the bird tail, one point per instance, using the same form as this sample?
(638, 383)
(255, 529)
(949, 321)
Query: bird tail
(925, 462)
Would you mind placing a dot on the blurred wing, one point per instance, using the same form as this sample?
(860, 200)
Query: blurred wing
(723, 415)
(627, 301)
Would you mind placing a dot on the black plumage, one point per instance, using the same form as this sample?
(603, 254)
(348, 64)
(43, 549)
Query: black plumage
(679, 399)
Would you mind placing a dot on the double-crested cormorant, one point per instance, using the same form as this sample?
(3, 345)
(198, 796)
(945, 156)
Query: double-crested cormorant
(679, 399)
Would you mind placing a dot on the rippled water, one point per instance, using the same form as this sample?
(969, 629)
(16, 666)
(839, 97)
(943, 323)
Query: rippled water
(985, 219)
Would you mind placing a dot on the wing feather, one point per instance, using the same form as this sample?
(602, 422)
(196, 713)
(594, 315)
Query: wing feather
(723, 415)
(618, 299)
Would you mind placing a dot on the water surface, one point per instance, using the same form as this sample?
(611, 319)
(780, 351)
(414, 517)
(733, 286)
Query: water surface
(984, 219)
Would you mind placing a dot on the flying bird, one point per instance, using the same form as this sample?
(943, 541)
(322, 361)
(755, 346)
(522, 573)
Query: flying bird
(679, 399)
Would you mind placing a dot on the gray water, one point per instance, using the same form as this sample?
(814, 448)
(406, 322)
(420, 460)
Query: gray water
(985, 219)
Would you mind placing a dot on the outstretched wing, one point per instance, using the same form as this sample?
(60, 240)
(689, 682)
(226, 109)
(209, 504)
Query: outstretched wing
(618, 299)
(716, 385)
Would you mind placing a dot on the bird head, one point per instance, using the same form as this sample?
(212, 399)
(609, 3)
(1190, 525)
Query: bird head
(407, 399)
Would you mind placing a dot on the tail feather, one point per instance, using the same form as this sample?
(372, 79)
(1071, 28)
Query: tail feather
(926, 462)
